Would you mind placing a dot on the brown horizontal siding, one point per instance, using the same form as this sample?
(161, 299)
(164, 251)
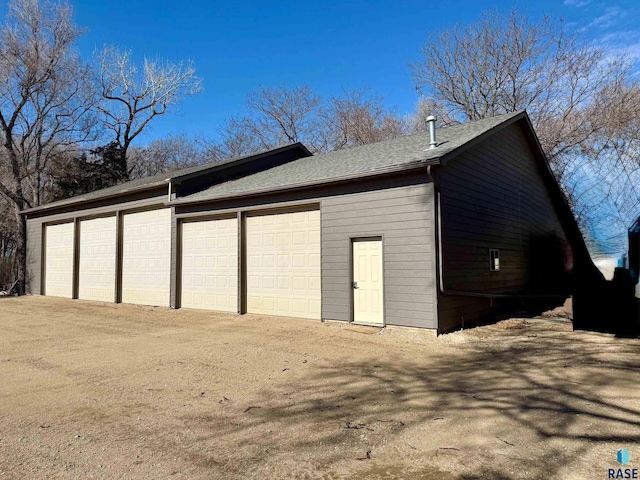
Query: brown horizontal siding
(402, 204)
(416, 248)
(412, 209)
(456, 311)
(410, 318)
(408, 298)
(403, 217)
(494, 196)
(377, 220)
(399, 289)
(102, 205)
(410, 281)
(401, 235)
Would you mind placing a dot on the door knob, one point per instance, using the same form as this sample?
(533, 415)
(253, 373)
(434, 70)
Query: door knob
(354, 284)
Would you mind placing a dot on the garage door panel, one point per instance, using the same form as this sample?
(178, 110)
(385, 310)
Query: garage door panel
(59, 241)
(210, 265)
(146, 257)
(97, 272)
(283, 264)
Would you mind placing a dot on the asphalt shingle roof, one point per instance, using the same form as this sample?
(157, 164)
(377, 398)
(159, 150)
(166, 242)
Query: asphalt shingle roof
(150, 182)
(363, 160)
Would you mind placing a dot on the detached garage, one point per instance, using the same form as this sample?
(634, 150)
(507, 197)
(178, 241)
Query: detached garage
(409, 232)
(122, 244)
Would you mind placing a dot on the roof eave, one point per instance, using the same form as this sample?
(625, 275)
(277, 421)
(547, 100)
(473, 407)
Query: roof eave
(383, 171)
(248, 159)
(175, 180)
(55, 205)
(484, 135)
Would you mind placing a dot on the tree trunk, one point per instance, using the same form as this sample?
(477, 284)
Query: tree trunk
(38, 188)
(124, 173)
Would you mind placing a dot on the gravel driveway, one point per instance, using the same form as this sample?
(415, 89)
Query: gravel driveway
(92, 390)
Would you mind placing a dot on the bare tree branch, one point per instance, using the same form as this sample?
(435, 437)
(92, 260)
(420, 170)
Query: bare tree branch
(133, 97)
(45, 102)
(285, 114)
(579, 98)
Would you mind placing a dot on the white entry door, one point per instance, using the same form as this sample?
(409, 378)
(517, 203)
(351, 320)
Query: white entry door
(368, 292)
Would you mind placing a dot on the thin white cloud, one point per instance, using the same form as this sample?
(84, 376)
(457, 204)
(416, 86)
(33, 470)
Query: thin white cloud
(576, 3)
(622, 42)
(631, 51)
(610, 17)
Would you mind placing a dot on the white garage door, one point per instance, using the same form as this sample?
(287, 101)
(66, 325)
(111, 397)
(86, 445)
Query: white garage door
(59, 260)
(210, 265)
(283, 264)
(146, 257)
(97, 274)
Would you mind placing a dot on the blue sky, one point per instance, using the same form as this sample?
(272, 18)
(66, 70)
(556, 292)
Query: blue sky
(329, 45)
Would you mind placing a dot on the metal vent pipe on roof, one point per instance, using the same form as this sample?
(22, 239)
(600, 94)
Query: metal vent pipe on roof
(431, 121)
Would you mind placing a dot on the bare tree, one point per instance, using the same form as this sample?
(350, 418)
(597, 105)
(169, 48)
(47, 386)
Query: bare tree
(133, 96)
(8, 242)
(237, 138)
(606, 176)
(503, 64)
(166, 154)
(282, 115)
(417, 123)
(356, 118)
(44, 102)
(508, 63)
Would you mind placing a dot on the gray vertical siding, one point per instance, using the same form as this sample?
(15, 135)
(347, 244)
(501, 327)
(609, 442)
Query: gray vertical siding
(403, 217)
(495, 196)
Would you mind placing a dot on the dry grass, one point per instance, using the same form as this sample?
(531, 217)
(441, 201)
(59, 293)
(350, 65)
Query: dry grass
(513, 324)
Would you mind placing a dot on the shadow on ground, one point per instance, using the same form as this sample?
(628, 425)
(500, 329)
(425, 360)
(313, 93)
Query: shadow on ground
(560, 392)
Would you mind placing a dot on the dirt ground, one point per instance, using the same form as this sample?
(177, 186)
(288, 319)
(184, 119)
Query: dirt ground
(92, 390)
